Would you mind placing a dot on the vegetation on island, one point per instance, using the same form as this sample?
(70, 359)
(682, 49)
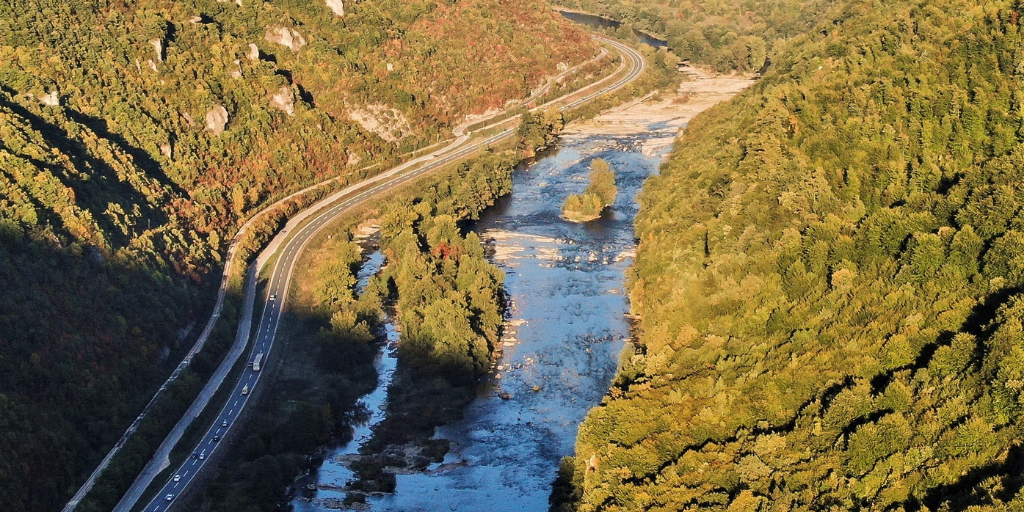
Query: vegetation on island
(829, 283)
(134, 139)
(600, 194)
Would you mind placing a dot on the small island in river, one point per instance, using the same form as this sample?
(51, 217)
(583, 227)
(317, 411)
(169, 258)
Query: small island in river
(599, 195)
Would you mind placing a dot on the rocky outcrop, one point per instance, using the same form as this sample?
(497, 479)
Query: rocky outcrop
(50, 99)
(388, 123)
(285, 36)
(284, 100)
(254, 52)
(217, 119)
(158, 47)
(337, 6)
(237, 2)
(166, 150)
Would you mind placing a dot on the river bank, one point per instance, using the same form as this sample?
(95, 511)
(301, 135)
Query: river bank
(661, 111)
(566, 287)
(566, 325)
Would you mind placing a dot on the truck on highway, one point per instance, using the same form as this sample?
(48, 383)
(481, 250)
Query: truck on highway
(256, 362)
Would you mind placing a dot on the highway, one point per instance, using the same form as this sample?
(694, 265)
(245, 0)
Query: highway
(288, 245)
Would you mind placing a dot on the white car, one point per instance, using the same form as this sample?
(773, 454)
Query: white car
(224, 423)
(273, 297)
(177, 478)
(169, 497)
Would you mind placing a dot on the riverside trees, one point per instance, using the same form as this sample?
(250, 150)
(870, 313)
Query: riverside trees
(729, 35)
(829, 283)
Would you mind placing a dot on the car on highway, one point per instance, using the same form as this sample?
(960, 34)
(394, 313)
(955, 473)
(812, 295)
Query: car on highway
(273, 297)
(177, 478)
(224, 423)
(202, 455)
(169, 497)
(195, 455)
(216, 438)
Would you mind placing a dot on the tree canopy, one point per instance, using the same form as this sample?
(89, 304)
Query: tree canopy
(136, 136)
(725, 35)
(600, 194)
(829, 283)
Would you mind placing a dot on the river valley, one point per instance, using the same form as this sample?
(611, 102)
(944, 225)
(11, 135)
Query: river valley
(566, 327)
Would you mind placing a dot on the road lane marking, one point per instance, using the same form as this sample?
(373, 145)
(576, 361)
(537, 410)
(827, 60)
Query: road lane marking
(308, 233)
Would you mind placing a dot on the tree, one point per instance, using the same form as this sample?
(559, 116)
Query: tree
(600, 194)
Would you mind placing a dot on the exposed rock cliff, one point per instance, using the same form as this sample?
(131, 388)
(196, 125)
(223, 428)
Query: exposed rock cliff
(285, 36)
(284, 100)
(216, 119)
(338, 6)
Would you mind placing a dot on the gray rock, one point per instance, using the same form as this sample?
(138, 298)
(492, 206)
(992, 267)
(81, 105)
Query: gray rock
(284, 100)
(338, 6)
(285, 36)
(217, 119)
(158, 47)
(50, 99)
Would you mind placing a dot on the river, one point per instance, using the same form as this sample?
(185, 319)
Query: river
(600, 22)
(566, 329)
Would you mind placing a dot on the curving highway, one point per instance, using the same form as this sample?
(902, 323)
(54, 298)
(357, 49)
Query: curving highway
(289, 245)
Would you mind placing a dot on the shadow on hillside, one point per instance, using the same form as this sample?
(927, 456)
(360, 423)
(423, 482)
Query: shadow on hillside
(99, 184)
(83, 344)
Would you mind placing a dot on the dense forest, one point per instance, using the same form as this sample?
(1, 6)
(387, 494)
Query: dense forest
(134, 136)
(829, 281)
(724, 35)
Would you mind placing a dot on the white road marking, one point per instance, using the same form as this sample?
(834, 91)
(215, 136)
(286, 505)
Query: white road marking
(309, 232)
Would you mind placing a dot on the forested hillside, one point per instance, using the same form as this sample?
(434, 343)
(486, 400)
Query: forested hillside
(725, 35)
(134, 136)
(829, 281)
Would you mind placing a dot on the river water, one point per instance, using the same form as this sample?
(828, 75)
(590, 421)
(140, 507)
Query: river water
(566, 329)
(599, 22)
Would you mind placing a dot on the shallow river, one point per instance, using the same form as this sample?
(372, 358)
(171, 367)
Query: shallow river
(566, 330)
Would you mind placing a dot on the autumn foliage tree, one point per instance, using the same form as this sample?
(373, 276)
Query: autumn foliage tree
(829, 283)
(600, 194)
